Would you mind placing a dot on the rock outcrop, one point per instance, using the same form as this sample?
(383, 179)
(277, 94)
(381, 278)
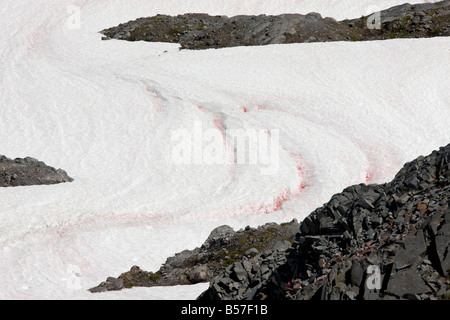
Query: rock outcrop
(202, 31)
(29, 171)
(369, 242)
(223, 247)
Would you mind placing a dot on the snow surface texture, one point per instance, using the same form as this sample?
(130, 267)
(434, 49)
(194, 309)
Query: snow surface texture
(106, 112)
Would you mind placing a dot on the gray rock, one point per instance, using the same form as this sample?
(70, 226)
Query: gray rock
(220, 232)
(239, 272)
(29, 171)
(201, 31)
(406, 283)
(413, 249)
(198, 274)
(251, 252)
(282, 245)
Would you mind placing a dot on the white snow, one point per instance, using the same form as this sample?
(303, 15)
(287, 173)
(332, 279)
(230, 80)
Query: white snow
(106, 111)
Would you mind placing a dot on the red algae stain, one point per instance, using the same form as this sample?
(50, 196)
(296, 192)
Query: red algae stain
(218, 124)
(369, 176)
(280, 200)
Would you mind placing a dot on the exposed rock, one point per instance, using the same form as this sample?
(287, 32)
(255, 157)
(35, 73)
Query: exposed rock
(407, 284)
(398, 230)
(222, 247)
(202, 31)
(29, 171)
(198, 274)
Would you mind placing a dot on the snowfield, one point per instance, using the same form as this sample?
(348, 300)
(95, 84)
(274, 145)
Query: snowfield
(106, 112)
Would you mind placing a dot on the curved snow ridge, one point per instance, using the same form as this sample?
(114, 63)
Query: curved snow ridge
(108, 112)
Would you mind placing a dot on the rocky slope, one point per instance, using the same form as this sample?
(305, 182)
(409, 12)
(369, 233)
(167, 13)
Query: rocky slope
(223, 247)
(402, 228)
(202, 31)
(29, 171)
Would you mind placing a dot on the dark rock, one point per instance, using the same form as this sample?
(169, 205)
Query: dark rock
(201, 31)
(402, 232)
(357, 273)
(238, 272)
(411, 251)
(223, 251)
(406, 283)
(29, 171)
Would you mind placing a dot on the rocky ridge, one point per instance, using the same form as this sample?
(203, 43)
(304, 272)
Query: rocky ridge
(29, 171)
(401, 228)
(223, 247)
(202, 31)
